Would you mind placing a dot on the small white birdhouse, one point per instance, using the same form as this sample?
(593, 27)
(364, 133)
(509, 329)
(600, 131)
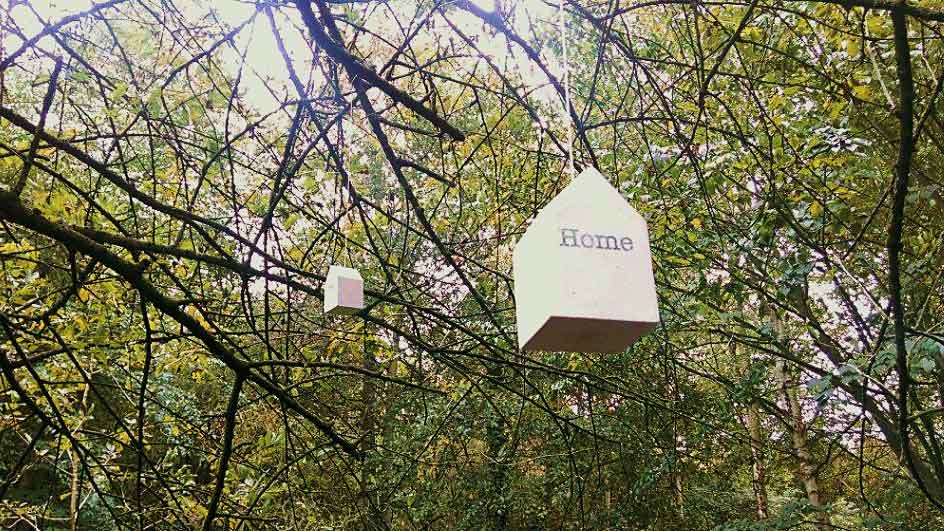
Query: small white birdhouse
(343, 291)
(583, 272)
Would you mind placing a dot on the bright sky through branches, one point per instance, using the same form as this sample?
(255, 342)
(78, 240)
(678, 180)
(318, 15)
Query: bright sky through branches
(266, 82)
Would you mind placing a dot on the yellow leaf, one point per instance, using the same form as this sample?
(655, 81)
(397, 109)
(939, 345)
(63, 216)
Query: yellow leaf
(816, 209)
(863, 92)
(853, 48)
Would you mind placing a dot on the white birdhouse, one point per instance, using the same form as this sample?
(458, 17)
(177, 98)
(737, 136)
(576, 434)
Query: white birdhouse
(343, 290)
(583, 272)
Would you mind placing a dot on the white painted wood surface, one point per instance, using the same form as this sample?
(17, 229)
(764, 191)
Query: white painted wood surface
(583, 272)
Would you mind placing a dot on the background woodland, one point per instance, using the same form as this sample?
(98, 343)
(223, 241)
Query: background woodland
(176, 177)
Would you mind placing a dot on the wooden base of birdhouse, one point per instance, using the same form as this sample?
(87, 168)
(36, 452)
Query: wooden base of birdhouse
(575, 334)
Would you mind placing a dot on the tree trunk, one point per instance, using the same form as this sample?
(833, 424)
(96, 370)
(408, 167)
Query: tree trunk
(679, 493)
(805, 465)
(758, 465)
(805, 469)
(75, 493)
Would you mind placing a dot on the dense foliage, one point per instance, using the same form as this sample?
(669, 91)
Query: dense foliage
(176, 178)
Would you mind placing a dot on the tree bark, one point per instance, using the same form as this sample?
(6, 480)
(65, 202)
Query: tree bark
(75, 493)
(805, 464)
(758, 465)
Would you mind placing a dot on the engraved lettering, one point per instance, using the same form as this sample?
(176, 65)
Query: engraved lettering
(605, 242)
(608, 242)
(568, 235)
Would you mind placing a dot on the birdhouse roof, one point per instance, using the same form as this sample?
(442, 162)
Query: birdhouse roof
(589, 191)
(341, 271)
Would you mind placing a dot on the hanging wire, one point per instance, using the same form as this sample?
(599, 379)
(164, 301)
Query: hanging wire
(566, 74)
(345, 109)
